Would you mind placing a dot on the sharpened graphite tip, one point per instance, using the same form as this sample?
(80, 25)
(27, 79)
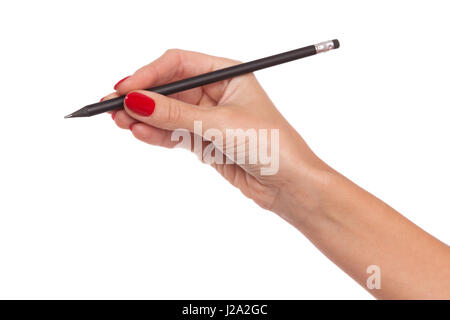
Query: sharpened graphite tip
(83, 112)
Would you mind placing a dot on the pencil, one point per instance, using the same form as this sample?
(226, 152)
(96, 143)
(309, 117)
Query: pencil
(211, 77)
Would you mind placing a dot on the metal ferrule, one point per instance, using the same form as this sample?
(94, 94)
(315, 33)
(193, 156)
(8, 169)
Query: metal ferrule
(324, 46)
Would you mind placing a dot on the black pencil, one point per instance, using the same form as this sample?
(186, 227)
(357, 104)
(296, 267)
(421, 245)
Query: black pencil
(215, 76)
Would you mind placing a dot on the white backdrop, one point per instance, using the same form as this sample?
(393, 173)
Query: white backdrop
(87, 211)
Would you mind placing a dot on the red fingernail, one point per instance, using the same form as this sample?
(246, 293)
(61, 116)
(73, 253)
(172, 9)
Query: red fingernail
(102, 99)
(131, 126)
(113, 115)
(140, 103)
(120, 81)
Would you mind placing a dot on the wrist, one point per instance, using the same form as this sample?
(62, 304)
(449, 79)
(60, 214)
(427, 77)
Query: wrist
(304, 195)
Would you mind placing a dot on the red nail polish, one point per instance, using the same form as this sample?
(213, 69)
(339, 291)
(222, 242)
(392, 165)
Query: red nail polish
(131, 126)
(140, 103)
(120, 81)
(113, 115)
(102, 99)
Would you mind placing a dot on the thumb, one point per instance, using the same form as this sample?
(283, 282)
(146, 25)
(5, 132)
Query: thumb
(164, 112)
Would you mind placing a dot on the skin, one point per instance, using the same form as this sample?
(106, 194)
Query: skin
(349, 225)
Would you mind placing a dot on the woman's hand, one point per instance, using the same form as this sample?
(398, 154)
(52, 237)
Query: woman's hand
(354, 229)
(221, 108)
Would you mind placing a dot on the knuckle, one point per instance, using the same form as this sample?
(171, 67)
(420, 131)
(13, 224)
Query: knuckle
(231, 62)
(172, 52)
(173, 112)
(224, 112)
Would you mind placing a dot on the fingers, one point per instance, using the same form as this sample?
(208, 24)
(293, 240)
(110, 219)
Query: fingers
(171, 66)
(120, 117)
(109, 97)
(167, 113)
(152, 135)
(144, 132)
(123, 120)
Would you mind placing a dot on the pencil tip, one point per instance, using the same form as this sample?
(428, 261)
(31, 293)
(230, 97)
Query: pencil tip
(80, 113)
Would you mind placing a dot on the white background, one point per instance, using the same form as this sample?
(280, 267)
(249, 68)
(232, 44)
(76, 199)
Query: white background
(87, 211)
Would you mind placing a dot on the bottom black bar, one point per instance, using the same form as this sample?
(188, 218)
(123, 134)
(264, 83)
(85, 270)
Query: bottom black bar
(218, 309)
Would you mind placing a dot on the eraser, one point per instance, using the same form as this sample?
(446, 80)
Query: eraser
(336, 43)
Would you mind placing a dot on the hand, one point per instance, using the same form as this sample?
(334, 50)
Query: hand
(353, 228)
(238, 103)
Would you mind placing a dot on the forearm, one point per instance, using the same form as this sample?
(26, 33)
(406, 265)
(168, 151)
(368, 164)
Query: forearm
(356, 230)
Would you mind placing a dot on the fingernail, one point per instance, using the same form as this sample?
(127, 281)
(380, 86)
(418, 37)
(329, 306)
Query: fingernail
(113, 115)
(120, 81)
(140, 103)
(131, 126)
(102, 99)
